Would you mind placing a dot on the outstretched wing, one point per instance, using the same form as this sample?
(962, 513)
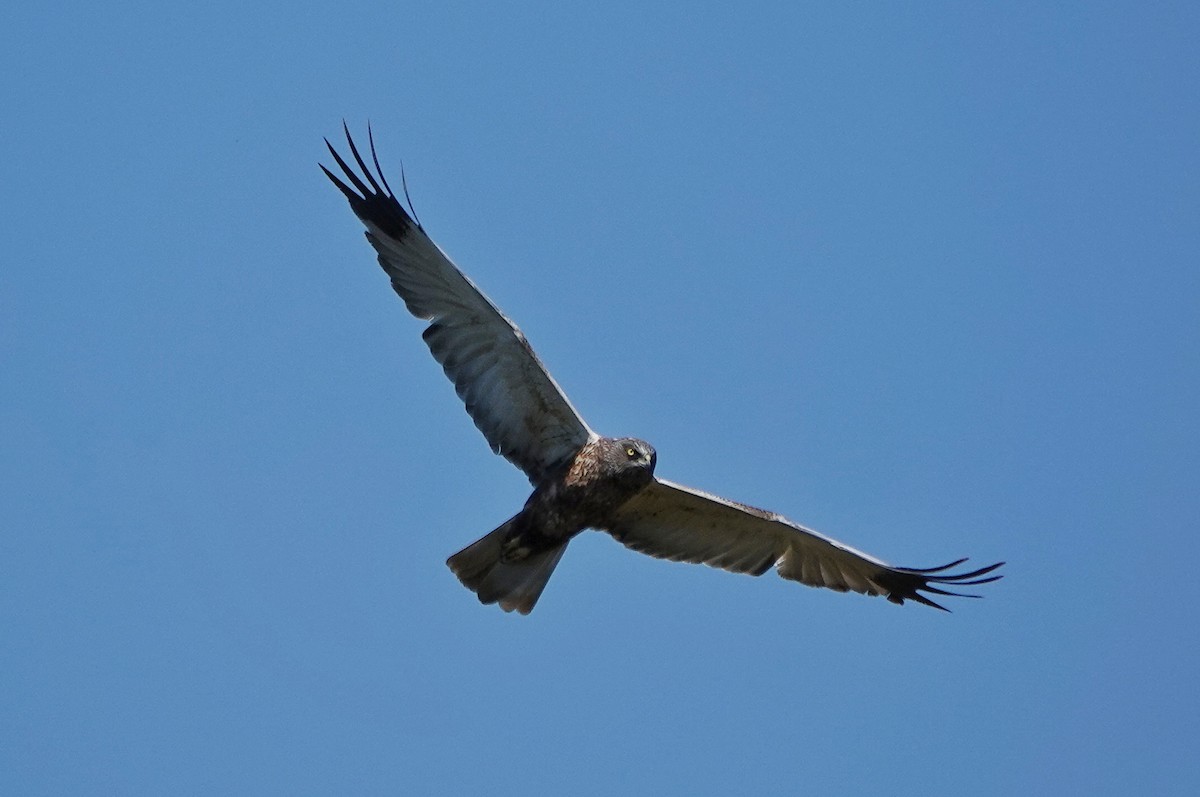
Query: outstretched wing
(513, 400)
(685, 525)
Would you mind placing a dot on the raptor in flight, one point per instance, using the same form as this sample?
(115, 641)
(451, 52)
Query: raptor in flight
(580, 479)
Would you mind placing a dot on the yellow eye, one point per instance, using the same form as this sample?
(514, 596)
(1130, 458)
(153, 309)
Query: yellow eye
(631, 452)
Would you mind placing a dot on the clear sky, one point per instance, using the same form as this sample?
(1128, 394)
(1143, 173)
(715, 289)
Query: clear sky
(923, 279)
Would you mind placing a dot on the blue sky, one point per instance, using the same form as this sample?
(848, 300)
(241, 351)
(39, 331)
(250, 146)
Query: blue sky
(923, 279)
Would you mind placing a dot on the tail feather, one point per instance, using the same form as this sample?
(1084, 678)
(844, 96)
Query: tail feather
(514, 585)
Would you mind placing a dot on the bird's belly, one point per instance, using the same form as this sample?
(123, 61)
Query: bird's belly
(553, 516)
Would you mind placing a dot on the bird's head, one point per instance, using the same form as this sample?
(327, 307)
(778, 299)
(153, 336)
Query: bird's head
(635, 454)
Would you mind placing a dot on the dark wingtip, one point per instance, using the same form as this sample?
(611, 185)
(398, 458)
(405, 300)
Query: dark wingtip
(910, 582)
(345, 189)
(919, 598)
(378, 168)
(938, 569)
(370, 196)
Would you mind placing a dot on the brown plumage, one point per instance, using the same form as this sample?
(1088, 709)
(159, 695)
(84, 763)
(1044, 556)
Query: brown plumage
(582, 480)
(512, 564)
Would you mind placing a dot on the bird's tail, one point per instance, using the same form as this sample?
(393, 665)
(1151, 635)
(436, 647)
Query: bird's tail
(514, 585)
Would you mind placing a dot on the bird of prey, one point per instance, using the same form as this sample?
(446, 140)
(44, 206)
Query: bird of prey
(580, 479)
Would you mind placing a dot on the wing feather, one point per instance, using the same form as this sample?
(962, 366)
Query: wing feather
(510, 395)
(673, 522)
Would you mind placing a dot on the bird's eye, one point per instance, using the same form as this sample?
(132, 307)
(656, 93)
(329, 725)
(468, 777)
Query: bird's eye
(631, 452)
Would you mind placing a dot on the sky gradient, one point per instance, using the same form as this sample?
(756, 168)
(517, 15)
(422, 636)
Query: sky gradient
(925, 280)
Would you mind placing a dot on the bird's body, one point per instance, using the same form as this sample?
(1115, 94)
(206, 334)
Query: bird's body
(580, 479)
(604, 475)
(514, 561)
